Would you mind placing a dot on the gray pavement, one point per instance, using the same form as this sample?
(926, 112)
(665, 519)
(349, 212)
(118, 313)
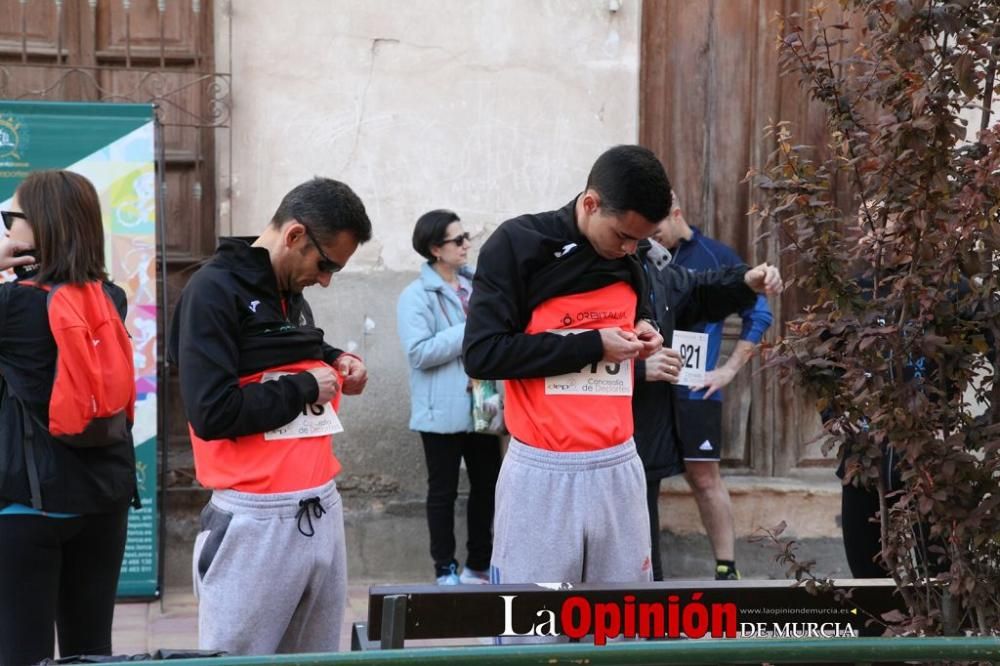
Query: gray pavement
(172, 622)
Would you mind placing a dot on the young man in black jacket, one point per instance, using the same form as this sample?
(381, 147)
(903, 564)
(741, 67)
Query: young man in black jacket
(559, 309)
(679, 299)
(260, 386)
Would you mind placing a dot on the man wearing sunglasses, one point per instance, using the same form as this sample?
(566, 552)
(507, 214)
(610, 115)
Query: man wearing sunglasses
(260, 386)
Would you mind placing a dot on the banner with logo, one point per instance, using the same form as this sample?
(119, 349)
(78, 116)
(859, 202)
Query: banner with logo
(113, 146)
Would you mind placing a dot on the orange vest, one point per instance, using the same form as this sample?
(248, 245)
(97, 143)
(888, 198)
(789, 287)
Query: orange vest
(584, 411)
(258, 464)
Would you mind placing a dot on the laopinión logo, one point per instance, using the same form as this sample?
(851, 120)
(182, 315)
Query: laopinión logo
(579, 617)
(673, 618)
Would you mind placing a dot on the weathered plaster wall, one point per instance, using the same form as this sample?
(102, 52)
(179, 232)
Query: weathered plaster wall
(489, 107)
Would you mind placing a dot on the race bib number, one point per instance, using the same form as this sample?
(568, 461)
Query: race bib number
(600, 378)
(314, 421)
(693, 348)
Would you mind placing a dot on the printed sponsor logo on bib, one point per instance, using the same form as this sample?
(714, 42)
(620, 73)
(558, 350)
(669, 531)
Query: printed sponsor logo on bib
(314, 421)
(693, 348)
(600, 378)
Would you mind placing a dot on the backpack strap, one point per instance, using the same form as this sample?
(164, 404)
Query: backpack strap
(444, 308)
(27, 418)
(29, 458)
(36, 285)
(444, 311)
(30, 465)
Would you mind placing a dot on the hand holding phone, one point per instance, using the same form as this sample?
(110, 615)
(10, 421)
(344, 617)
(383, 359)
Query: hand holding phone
(15, 253)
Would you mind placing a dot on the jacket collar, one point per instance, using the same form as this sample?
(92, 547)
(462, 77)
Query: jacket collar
(695, 234)
(238, 254)
(433, 281)
(650, 251)
(238, 251)
(568, 215)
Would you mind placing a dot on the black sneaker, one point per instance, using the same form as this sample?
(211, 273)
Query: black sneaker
(722, 572)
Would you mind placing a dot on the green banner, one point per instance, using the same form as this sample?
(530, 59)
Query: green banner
(113, 146)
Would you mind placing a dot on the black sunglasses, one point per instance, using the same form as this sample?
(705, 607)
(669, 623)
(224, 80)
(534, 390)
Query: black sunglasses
(326, 264)
(9, 216)
(459, 240)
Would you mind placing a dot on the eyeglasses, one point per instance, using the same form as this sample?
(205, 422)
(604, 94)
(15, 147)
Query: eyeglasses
(326, 264)
(9, 216)
(459, 241)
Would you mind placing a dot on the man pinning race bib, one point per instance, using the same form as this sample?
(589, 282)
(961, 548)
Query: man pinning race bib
(260, 388)
(559, 311)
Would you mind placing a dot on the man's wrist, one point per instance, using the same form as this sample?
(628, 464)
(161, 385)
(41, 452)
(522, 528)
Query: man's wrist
(349, 355)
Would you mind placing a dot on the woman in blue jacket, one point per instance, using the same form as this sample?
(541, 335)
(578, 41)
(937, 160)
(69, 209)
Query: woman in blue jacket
(431, 319)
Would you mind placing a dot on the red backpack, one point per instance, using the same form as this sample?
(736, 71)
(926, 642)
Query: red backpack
(93, 395)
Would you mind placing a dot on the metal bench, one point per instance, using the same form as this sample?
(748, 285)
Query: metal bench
(764, 608)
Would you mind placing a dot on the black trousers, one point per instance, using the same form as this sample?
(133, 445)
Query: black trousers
(444, 454)
(862, 535)
(58, 572)
(653, 504)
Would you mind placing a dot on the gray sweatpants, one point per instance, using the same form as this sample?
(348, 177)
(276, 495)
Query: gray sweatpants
(270, 573)
(571, 517)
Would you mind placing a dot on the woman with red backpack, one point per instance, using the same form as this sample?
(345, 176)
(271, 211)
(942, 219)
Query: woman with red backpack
(63, 501)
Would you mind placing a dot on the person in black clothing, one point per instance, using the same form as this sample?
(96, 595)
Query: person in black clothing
(679, 298)
(260, 387)
(860, 506)
(560, 310)
(61, 547)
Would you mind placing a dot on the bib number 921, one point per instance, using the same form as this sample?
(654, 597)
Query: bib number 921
(691, 356)
(691, 347)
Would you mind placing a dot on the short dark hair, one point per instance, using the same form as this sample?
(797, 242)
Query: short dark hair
(327, 207)
(429, 231)
(64, 213)
(631, 178)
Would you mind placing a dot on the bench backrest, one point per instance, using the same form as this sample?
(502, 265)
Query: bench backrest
(468, 611)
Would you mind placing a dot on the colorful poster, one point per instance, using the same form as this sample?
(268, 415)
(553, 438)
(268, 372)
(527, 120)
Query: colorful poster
(113, 146)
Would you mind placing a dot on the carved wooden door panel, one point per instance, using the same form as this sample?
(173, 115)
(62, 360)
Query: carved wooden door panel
(158, 51)
(129, 51)
(709, 84)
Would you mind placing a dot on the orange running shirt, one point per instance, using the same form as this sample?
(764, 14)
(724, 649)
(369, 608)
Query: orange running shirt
(275, 462)
(583, 411)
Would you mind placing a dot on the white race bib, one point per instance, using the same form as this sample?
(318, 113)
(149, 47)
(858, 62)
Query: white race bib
(314, 421)
(600, 378)
(693, 348)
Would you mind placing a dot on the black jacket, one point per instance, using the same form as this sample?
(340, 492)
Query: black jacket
(71, 480)
(231, 321)
(527, 261)
(681, 298)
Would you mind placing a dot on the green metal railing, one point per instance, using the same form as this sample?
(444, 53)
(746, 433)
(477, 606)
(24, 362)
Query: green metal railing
(650, 653)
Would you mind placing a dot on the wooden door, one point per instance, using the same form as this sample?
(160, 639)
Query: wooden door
(709, 84)
(134, 51)
(158, 51)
